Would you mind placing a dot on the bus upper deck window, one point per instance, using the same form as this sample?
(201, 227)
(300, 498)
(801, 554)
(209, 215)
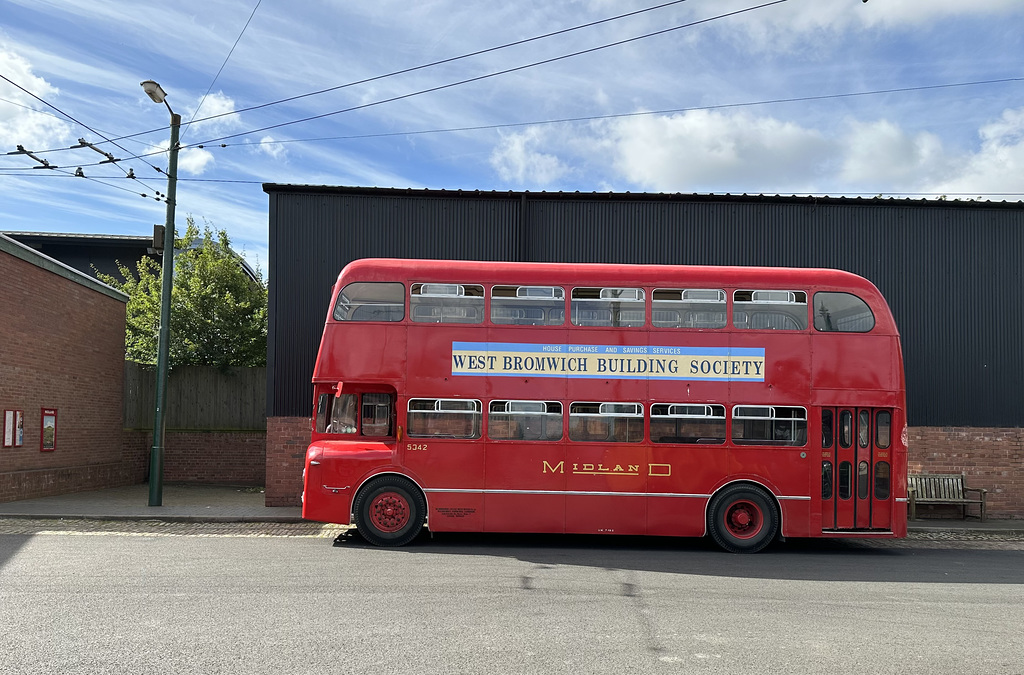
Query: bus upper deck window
(770, 310)
(370, 301)
(608, 307)
(842, 313)
(447, 303)
(688, 308)
(528, 305)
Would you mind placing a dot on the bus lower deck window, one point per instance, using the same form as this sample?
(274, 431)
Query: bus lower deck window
(444, 418)
(769, 425)
(606, 422)
(687, 423)
(524, 420)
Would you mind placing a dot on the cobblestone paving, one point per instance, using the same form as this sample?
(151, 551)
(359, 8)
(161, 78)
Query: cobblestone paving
(160, 528)
(936, 539)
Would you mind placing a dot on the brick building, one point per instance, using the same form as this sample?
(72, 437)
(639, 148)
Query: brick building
(61, 377)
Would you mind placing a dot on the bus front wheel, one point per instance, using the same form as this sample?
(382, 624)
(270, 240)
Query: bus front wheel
(389, 511)
(743, 519)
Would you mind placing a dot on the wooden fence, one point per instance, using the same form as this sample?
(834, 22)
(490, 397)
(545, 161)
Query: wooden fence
(199, 398)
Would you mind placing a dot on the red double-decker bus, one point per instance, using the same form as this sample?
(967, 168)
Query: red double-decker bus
(742, 403)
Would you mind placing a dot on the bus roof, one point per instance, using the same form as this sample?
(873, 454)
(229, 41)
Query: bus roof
(584, 274)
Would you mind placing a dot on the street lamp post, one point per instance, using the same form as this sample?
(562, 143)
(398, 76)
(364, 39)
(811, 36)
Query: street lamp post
(156, 456)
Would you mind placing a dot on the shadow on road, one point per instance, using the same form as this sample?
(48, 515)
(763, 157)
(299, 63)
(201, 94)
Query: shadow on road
(10, 544)
(796, 559)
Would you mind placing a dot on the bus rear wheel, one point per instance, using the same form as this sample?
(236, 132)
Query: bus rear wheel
(743, 519)
(389, 511)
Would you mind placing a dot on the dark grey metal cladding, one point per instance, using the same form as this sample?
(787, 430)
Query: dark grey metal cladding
(950, 270)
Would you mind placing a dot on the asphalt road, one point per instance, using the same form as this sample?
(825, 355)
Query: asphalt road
(152, 598)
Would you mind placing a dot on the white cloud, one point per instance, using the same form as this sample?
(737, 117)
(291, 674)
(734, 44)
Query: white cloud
(786, 25)
(20, 124)
(268, 146)
(518, 160)
(711, 151)
(997, 166)
(194, 161)
(881, 153)
(220, 107)
(714, 151)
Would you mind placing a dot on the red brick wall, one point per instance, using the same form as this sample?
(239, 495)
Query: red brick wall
(992, 459)
(287, 439)
(61, 346)
(214, 457)
(235, 458)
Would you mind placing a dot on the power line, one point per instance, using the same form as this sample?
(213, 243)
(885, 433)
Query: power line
(58, 172)
(586, 118)
(722, 193)
(81, 124)
(221, 69)
(500, 72)
(593, 118)
(445, 60)
(452, 59)
(413, 68)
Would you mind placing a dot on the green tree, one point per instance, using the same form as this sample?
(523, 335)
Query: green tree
(218, 312)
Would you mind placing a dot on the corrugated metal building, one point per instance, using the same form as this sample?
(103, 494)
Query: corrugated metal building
(951, 270)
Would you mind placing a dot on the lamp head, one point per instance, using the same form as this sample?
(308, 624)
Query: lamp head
(154, 91)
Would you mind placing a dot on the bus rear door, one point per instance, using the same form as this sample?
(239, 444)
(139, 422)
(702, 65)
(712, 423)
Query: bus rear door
(856, 469)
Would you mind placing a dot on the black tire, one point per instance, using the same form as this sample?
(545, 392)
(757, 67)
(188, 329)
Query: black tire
(743, 519)
(389, 511)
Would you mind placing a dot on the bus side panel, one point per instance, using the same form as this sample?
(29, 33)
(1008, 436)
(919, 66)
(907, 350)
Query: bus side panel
(857, 363)
(796, 518)
(525, 487)
(344, 350)
(455, 511)
(680, 479)
(451, 471)
(330, 486)
(606, 488)
(676, 515)
(789, 468)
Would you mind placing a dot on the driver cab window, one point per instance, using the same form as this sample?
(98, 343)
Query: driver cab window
(365, 414)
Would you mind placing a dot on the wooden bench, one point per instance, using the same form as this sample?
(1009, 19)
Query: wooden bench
(942, 488)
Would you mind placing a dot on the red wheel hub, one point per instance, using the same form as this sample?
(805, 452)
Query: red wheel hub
(743, 519)
(389, 512)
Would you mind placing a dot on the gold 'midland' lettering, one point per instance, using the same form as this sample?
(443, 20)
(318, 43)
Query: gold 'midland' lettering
(557, 468)
(602, 470)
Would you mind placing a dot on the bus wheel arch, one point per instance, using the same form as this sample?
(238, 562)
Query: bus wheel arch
(743, 517)
(389, 510)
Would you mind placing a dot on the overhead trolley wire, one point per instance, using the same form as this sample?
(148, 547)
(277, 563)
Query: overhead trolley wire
(221, 69)
(597, 118)
(411, 69)
(499, 72)
(79, 123)
(587, 118)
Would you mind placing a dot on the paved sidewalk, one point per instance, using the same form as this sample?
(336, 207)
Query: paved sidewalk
(191, 502)
(218, 503)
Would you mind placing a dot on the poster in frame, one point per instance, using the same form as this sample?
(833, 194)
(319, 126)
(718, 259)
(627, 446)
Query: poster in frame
(48, 430)
(19, 428)
(8, 428)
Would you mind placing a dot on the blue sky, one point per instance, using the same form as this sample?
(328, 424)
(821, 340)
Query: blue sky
(683, 111)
